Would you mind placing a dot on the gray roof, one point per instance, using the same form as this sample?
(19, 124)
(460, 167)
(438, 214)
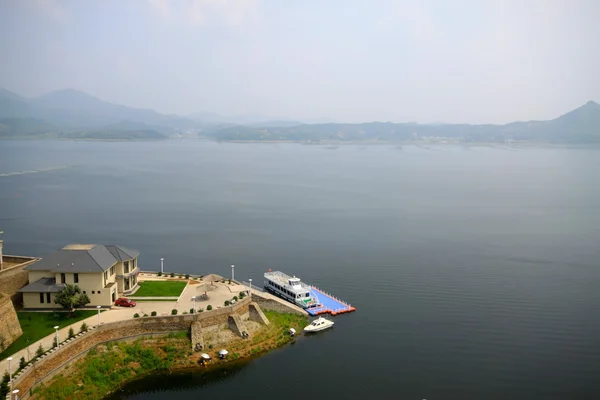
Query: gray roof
(83, 258)
(43, 285)
(122, 253)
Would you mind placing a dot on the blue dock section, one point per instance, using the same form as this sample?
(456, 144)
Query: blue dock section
(328, 304)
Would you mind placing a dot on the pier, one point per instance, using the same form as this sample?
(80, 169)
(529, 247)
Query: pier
(328, 304)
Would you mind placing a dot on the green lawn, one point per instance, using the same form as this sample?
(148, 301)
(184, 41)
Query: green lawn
(160, 288)
(36, 325)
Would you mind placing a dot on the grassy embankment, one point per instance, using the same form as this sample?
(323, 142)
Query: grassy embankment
(37, 325)
(107, 367)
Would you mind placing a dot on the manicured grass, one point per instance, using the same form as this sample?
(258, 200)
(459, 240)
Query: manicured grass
(160, 288)
(37, 325)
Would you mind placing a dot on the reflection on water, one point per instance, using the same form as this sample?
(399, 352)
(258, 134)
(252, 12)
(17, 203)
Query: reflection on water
(179, 381)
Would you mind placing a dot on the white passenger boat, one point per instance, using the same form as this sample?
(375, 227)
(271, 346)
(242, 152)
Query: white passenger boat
(319, 324)
(290, 288)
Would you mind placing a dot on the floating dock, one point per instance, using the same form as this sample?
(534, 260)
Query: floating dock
(328, 304)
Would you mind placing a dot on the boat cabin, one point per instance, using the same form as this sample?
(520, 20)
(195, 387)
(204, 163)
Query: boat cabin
(289, 288)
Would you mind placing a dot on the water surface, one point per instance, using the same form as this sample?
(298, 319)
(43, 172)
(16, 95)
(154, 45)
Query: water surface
(474, 270)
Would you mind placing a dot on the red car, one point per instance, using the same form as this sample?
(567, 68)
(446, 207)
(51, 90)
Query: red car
(123, 302)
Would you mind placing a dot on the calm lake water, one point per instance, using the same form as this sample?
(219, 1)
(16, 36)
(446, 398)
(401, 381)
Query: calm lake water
(475, 271)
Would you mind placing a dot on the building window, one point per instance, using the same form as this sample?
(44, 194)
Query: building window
(93, 292)
(84, 292)
(48, 298)
(126, 266)
(63, 278)
(105, 276)
(112, 270)
(42, 298)
(98, 292)
(76, 278)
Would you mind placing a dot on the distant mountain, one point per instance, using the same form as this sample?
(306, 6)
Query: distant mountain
(581, 125)
(274, 124)
(243, 120)
(75, 113)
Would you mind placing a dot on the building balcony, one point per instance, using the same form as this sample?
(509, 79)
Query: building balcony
(128, 274)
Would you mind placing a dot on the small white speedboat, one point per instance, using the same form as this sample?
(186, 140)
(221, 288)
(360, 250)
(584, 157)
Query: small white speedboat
(319, 324)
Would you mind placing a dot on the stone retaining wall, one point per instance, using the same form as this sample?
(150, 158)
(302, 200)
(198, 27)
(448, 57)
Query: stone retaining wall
(14, 278)
(53, 362)
(269, 302)
(237, 325)
(197, 335)
(256, 314)
(10, 329)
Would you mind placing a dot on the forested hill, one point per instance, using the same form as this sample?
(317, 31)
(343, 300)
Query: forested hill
(581, 125)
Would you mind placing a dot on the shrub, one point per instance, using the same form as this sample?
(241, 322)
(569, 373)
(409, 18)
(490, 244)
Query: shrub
(210, 346)
(54, 342)
(83, 327)
(22, 363)
(208, 307)
(145, 315)
(159, 273)
(71, 332)
(235, 298)
(227, 302)
(187, 276)
(153, 313)
(4, 385)
(242, 295)
(201, 310)
(191, 310)
(172, 274)
(229, 281)
(39, 351)
(174, 311)
(184, 313)
(136, 315)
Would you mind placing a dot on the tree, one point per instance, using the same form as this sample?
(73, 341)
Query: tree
(83, 327)
(4, 387)
(71, 298)
(71, 332)
(22, 363)
(39, 351)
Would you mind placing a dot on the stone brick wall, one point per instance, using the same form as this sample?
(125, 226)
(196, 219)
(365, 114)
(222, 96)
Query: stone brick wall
(266, 302)
(10, 329)
(14, 278)
(51, 364)
(256, 314)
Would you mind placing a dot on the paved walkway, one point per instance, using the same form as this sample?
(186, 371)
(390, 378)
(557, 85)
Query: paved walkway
(217, 293)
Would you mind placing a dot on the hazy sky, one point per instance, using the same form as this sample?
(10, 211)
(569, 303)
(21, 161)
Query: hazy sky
(482, 61)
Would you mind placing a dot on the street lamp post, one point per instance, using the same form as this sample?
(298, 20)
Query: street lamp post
(10, 370)
(250, 291)
(194, 302)
(162, 260)
(16, 394)
(232, 273)
(98, 307)
(56, 329)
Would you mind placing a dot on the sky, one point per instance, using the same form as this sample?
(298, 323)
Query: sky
(459, 61)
